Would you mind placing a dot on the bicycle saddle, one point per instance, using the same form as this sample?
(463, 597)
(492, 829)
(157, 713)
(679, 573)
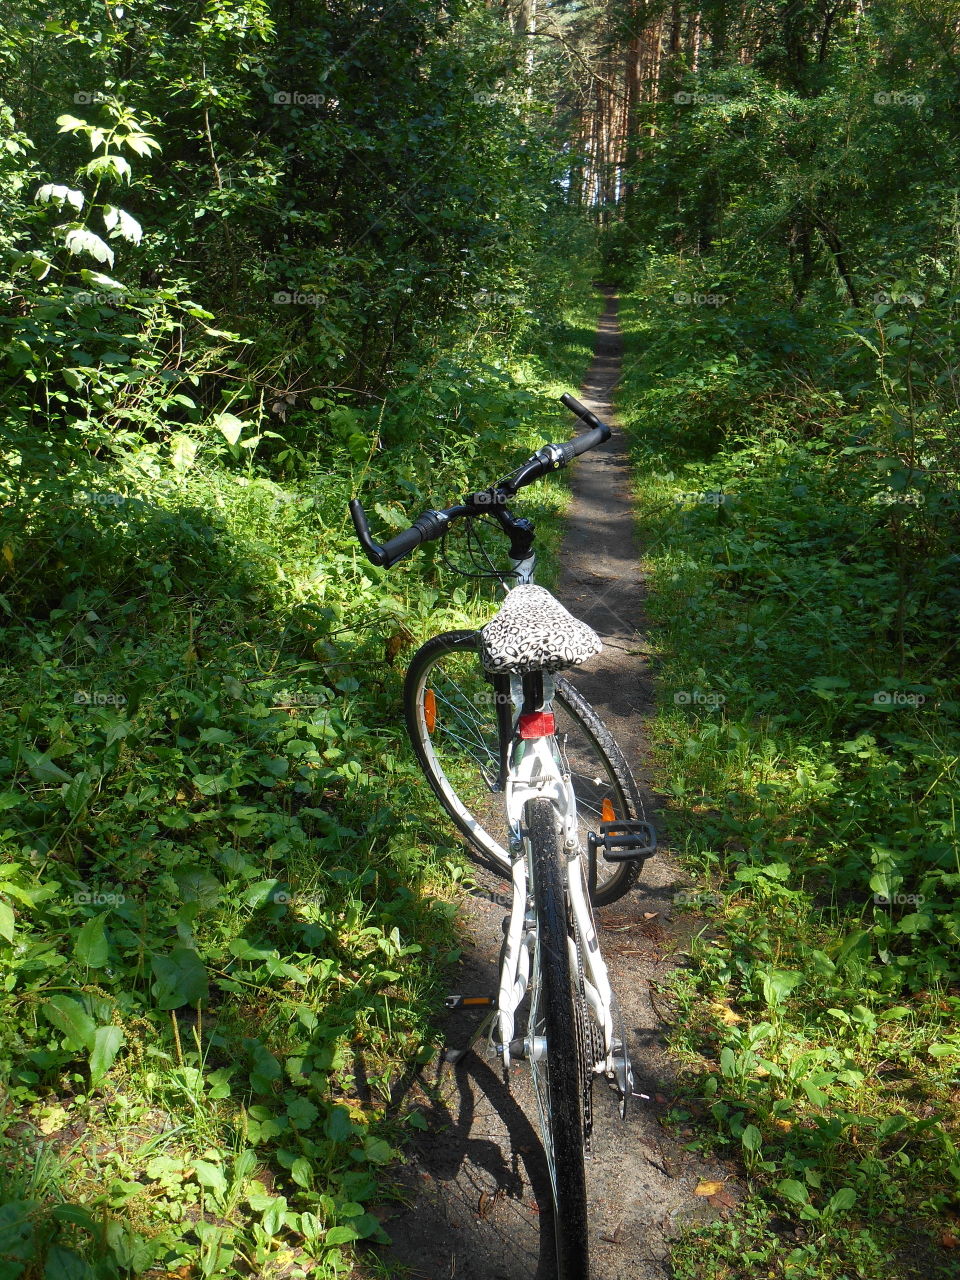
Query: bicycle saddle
(534, 632)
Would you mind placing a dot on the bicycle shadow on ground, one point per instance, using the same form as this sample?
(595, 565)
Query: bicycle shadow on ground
(475, 1191)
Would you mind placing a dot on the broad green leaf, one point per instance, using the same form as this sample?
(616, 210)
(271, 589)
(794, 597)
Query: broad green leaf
(778, 983)
(97, 278)
(337, 1126)
(54, 193)
(69, 1017)
(6, 921)
(141, 143)
(341, 1235)
(42, 767)
(841, 1201)
(179, 978)
(377, 1151)
(302, 1113)
(126, 227)
(76, 792)
(63, 1264)
(751, 1138)
(210, 1176)
(81, 240)
(231, 427)
(273, 1215)
(793, 1191)
(91, 946)
(106, 1046)
(183, 451)
(114, 166)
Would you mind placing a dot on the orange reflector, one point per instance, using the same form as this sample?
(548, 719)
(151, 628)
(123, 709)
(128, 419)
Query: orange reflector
(430, 709)
(606, 811)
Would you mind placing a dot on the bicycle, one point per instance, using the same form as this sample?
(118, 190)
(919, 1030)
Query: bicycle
(489, 716)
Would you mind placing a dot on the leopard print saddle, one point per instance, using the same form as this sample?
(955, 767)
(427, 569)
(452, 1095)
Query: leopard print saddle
(534, 632)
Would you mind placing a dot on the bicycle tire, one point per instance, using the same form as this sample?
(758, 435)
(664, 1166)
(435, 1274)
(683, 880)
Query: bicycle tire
(557, 1074)
(598, 765)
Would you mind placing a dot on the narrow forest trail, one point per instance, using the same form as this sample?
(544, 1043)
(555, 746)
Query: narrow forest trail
(475, 1185)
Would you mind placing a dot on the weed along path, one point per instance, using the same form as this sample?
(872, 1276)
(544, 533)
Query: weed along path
(477, 1198)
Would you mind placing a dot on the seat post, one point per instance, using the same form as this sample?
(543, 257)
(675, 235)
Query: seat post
(532, 692)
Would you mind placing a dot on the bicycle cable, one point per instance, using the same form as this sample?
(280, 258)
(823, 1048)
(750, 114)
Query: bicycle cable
(475, 554)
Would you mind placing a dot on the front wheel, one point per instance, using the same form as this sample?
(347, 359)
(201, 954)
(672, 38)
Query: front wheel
(452, 723)
(554, 1049)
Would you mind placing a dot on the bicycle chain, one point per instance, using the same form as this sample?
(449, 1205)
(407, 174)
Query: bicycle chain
(588, 1035)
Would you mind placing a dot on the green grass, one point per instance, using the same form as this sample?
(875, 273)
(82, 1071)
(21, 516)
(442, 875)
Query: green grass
(808, 741)
(227, 899)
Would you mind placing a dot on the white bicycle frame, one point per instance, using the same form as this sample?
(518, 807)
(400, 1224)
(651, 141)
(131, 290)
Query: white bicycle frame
(535, 769)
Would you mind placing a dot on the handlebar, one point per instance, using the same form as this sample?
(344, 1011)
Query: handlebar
(434, 524)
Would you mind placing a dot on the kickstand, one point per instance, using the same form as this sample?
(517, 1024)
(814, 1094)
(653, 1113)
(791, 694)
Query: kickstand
(483, 1028)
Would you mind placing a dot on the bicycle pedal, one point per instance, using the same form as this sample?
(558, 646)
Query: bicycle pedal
(623, 841)
(470, 1002)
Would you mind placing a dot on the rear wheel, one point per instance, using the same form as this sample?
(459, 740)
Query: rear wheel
(555, 1066)
(451, 718)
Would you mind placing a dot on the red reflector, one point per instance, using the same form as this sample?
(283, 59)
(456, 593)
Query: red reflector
(537, 724)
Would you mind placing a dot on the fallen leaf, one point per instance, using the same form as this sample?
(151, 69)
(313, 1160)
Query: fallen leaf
(723, 1200)
(949, 1241)
(650, 915)
(394, 644)
(708, 1188)
(726, 1015)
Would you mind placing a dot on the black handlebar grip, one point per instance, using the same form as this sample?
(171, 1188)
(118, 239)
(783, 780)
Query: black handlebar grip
(401, 545)
(432, 524)
(583, 413)
(589, 440)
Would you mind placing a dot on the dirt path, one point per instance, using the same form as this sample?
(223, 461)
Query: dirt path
(476, 1183)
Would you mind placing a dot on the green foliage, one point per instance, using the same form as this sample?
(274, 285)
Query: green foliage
(803, 540)
(258, 261)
